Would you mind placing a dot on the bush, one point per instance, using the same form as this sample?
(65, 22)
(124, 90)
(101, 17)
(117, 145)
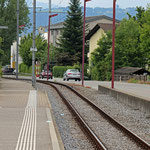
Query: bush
(58, 71)
(94, 73)
(23, 68)
(132, 80)
(30, 69)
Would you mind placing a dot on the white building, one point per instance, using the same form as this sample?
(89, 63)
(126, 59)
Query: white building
(13, 54)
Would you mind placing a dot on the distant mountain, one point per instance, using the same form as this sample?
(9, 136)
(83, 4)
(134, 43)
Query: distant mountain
(42, 14)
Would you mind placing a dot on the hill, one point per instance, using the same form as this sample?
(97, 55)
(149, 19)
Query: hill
(42, 14)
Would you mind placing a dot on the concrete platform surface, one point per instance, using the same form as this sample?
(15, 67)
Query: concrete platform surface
(26, 120)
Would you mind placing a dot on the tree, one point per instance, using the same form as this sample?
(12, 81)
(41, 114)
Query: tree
(101, 58)
(1, 51)
(145, 36)
(8, 17)
(26, 54)
(139, 15)
(70, 42)
(127, 50)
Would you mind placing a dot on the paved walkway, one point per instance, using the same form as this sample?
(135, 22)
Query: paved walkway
(25, 118)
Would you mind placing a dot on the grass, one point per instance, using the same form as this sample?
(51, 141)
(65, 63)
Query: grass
(138, 81)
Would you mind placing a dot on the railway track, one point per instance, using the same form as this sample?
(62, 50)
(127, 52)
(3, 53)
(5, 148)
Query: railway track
(88, 130)
(141, 144)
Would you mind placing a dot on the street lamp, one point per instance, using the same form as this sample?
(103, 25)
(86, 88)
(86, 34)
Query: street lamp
(113, 43)
(83, 42)
(48, 43)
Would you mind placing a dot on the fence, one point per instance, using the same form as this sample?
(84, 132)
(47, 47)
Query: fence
(128, 77)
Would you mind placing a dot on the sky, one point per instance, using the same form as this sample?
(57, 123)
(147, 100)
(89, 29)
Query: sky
(98, 3)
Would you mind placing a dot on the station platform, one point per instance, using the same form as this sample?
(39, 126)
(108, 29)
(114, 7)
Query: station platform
(139, 90)
(26, 120)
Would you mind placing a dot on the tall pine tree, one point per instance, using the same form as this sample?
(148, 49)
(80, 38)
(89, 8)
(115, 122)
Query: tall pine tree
(70, 42)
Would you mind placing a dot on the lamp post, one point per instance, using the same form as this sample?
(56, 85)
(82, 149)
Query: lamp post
(49, 42)
(83, 43)
(34, 49)
(113, 44)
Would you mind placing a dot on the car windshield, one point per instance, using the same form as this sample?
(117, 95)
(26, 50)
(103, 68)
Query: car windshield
(46, 71)
(73, 70)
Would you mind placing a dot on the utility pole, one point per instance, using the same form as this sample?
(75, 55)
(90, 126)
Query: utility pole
(48, 40)
(83, 41)
(113, 44)
(17, 39)
(49, 7)
(33, 49)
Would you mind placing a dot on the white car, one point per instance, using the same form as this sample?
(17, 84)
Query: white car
(14, 72)
(72, 74)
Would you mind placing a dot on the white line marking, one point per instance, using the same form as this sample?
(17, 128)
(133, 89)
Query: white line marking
(27, 135)
(32, 132)
(26, 131)
(24, 125)
(55, 142)
(21, 130)
(34, 147)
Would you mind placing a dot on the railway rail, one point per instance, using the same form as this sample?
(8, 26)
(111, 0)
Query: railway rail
(95, 139)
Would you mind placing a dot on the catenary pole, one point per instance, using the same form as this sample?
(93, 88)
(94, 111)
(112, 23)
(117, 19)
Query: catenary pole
(33, 45)
(113, 44)
(17, 39)
(48, 46)
(83, 44)
(83, 47)
(49, 22)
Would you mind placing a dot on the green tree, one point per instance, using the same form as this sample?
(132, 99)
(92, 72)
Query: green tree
(1, 51)
(127, 50)
(101, 59)
(26, 54)
(145, 36)
(8, 17)
(139, 15)
(70, 42)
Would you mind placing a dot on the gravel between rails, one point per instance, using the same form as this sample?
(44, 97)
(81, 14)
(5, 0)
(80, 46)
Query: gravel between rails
(132, 118)
(110, 136)
(72, 136)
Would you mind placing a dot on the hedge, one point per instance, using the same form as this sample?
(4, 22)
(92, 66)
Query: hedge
(58, 71)
(23, 68)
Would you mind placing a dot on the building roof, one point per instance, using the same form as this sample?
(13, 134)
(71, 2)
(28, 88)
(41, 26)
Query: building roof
(104, 26)
(87, 20)
(94, 18)
(130, 71)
